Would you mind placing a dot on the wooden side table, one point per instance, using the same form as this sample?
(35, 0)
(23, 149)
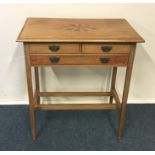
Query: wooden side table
(78, 42)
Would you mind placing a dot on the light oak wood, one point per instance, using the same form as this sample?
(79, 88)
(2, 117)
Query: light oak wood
(97, 48)
(116, 97)
(35, 97)
(36, 74)
(48, 94)
(126, 91)
(78, 30)
(113, 81)
(75, 106)
(36, 48)
(30, 92)
(78, 42)
(78, 60)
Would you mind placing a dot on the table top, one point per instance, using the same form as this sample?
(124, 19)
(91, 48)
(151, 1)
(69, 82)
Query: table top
(78, 30)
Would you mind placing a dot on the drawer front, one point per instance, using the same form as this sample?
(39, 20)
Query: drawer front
(78, 60)
(105, 48)
(52, 48)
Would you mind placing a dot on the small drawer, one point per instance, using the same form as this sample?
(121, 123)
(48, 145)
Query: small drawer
(105, 48)
(53, 48)
(78, 60)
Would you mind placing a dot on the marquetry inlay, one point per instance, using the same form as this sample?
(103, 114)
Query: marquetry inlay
(78, 27)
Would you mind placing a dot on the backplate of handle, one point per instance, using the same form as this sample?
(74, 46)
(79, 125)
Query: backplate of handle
(104, 60)
(106, 48)
(54, 48)
(54, 59)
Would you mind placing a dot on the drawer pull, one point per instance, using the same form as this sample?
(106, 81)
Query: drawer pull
(104, 60)
(54, 59)
(106, 48)
(54, 48)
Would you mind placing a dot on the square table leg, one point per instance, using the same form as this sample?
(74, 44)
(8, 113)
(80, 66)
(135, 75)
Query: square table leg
(113, 81)
(36, 73)
(30, 92)
(126, 91)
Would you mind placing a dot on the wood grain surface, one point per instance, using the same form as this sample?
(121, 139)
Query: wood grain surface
(78, 60)
(78, 30)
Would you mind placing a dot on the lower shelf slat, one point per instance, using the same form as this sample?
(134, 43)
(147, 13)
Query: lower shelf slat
(75, 106)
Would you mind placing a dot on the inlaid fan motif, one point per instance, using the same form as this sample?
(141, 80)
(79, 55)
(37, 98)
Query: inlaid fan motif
(78, 27)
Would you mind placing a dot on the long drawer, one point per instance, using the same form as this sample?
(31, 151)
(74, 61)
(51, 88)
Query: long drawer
(78, 60)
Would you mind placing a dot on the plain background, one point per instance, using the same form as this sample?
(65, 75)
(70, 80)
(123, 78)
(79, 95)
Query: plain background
(13, 89)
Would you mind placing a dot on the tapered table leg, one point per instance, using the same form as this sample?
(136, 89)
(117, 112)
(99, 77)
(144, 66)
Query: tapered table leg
(30, 92)
(126, 91)
(32, 122)
(114, 73)
(37, 83)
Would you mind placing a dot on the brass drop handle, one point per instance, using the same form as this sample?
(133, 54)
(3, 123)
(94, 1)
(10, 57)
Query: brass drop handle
(54, 48)
(106, 48)
(54, 59)
(104, 60)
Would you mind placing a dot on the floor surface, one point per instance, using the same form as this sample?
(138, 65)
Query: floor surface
(77, 130)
